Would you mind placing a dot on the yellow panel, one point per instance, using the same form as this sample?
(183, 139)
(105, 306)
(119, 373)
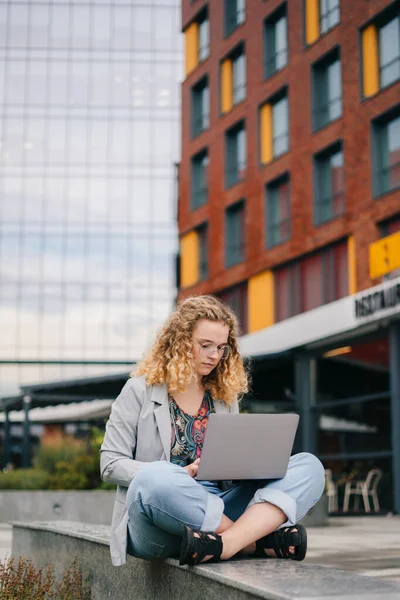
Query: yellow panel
(266, 133)
(370, 61)
(191, 47)
(189, 259)
(352, 265)
(384, 255)
(261, 301)
(226, 85)
(312, 21)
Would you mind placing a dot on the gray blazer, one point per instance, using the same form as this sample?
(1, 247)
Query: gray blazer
(138, 431)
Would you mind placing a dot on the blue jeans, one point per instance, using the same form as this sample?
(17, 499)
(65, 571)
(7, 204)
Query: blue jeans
(163, 498)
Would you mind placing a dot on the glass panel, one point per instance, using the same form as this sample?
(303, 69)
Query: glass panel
(141, 32)
(56, 141)
(122, 28)
(273, 215)
(389, 52)
(101, 27)
(334, 82)
(280, 126)
(15, 82)
(282, 293)
(78, 83)
(37, 82)
(18, 25)
(204, 39)
(311, 282)
(163, 29)
(281, 43)
(241, 152)
(240, 11)
(341, 279)
(122, 86)
(329, 14)
(80, 26)
(58, 82)
(205, 104)
(60, 26)
(239, 78)
(101, 73)
(337, 183)
(39, 25)
(393, 135)
(3, 24)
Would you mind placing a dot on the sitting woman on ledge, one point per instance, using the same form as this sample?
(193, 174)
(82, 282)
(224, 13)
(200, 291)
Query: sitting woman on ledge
(152, 449)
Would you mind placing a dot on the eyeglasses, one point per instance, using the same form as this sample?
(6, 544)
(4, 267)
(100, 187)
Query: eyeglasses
(207, 349)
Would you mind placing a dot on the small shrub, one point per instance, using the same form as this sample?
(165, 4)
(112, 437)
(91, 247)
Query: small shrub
(52, 452)
(23, 581)
(24, 479)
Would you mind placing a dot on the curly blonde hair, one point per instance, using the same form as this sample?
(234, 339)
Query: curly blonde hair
(171, 358)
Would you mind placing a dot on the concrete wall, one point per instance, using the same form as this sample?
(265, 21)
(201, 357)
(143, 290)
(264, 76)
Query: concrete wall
(85, 506)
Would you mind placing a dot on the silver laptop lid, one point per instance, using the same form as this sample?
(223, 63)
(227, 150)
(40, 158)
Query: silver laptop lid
(255, 446)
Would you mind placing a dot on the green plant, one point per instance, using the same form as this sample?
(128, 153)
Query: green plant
(51, 452)
(23, 581)
(24, 479)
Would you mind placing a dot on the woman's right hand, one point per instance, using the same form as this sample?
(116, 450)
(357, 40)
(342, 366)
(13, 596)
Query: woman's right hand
(193, 468)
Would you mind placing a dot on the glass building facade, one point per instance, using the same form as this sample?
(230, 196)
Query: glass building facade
(89, 135)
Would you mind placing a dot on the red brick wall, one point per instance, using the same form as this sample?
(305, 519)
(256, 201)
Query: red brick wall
(362, 211)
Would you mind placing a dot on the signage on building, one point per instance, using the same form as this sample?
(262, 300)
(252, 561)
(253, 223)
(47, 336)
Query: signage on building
(384, 256)
(375, 302)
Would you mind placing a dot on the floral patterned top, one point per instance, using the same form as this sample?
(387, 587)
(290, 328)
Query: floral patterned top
(188, 431)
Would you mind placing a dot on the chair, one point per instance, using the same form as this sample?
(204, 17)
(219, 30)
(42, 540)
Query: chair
(365, 488)
(331, 492)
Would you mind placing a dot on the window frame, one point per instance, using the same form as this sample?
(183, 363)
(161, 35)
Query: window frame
(204, 250)
(319, 71)
(197, 90)
(232, 172)
(388, 15)
(272, 187)
(235, 253)
(322, 16)
(196, 191)
(377, 126)
(229, 24)
(203, 52)
(319, 161)
(269, 29)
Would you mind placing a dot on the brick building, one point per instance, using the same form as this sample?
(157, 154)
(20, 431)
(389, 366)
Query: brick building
(289, 194)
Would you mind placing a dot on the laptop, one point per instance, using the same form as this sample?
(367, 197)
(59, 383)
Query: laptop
(248, 446)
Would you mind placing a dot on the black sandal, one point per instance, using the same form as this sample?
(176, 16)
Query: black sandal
(281, 540)
(201, 543)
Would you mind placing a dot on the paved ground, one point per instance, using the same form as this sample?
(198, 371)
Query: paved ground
(366, 545)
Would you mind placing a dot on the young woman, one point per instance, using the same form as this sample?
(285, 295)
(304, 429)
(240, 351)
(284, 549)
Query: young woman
(152, 449)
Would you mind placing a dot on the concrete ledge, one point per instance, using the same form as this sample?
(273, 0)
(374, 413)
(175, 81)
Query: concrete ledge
(69, 505)
(59, 542)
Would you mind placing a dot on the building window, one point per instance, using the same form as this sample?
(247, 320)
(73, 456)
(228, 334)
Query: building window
(391, 226)
(236, 298)
(204, 37)
(235, 154)
(381, 51)
(389, 51)
(197, 42)
(233, 79)
(278, 211)
(280, 126)
(202, 232)
(386, 153)
(329, 194)
(329, 14)
(199, 191)
(316, 279)
(235, 234)
(275, 42)
(274, 128)
(235, 14)
(200, 107)
(327, 90)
